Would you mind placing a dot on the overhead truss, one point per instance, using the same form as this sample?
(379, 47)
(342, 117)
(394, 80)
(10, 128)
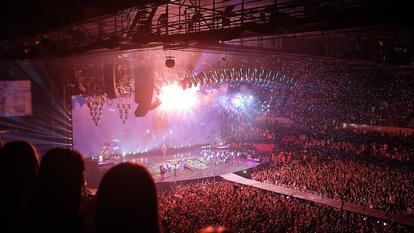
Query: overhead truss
(176, 23)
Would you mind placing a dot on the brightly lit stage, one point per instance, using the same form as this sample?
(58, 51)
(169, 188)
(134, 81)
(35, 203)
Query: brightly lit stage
(197, 115)
(190, 165)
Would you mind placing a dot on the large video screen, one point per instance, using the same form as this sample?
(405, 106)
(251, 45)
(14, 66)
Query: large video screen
(182, 119)
(15, 98)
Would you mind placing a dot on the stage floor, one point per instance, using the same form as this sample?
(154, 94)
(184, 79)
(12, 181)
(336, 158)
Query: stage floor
(197, 164)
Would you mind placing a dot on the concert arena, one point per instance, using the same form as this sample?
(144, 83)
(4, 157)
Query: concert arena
(206, 116)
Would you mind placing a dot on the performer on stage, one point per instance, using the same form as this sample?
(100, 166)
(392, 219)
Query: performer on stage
(162, 171)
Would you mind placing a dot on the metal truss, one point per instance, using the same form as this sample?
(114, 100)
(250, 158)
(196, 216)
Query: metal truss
(177, 23)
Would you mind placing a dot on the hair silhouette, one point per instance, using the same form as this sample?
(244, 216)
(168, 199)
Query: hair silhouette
(18, 169)
(126, 201)
(57, 193)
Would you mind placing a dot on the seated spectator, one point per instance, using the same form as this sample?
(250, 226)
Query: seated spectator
(126, 201)
(56, 201)
(18, 169)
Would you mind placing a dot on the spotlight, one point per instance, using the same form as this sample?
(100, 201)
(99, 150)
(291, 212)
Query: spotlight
(174, 98)
(237, 101)
(169, 62)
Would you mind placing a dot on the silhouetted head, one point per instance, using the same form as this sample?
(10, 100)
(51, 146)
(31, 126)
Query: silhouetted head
(18, 169)
(126, 201)
(215, 229)
(19, 163)
(58, 189)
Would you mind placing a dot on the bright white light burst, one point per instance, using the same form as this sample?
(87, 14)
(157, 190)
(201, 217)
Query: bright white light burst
(174, 98)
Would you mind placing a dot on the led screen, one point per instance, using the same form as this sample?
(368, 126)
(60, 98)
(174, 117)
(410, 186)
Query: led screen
(15, 98)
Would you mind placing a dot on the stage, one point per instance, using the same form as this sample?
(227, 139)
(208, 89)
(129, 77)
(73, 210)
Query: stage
(196, 163)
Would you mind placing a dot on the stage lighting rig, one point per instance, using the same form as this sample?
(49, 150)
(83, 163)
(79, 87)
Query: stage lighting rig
(258, 77)
(169, 62)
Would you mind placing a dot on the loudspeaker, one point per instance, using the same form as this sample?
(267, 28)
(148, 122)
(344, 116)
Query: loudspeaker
(155, 104)
(109, 80)
(144, 88)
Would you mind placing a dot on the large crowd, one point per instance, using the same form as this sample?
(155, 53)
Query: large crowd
(50, 196)
(315, 155)
(373, 175)
(188, 207)
(327, 93)
(371, 144)
(374, 186)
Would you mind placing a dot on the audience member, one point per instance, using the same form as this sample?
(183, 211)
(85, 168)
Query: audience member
(55, 206)
(18, 169)
(126, 201)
